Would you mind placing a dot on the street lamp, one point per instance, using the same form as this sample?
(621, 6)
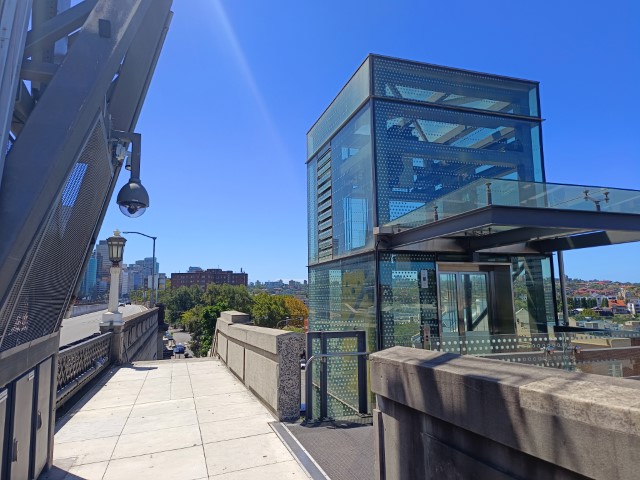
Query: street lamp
(154, 286)
(116, 251)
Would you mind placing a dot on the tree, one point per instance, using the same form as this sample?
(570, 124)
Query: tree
(296, 310)
(232, 297)
(268, 310)
(201, 321)
(604, 303)
(181, 300)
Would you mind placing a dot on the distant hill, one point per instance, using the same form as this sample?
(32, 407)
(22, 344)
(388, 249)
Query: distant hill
(610, 288)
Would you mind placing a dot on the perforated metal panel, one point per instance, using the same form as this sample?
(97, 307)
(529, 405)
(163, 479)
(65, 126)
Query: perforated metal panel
(51, 268)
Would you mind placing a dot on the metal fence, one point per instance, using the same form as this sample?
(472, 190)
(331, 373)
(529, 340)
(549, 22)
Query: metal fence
(80, 363)
(614, 353)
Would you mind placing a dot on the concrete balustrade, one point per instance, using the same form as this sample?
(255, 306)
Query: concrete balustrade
(445, 416)
(77, 310)
(265, 359)
(138, 338)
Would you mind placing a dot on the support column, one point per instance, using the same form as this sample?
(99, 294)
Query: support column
(563, 288)
(117, 345)
(113, 316)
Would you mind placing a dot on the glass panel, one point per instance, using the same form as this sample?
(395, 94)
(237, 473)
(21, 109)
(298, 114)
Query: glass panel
(425, 153)
(341, 297)
(475, 302)
(475, 305)
(408, 304)
(448, 303)
(455, 88)
(343, 106)
(342, 379)
(592, 352)
(532, 294)
(352, 186)
(513, 193)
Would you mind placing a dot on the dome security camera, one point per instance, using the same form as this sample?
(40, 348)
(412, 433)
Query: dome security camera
(133, 199)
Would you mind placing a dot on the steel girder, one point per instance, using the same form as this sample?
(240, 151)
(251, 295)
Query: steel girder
(93, 81)
(532, 229)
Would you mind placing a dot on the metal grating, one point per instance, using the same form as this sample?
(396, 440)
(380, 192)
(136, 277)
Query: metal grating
(51, 268)
(325, 215)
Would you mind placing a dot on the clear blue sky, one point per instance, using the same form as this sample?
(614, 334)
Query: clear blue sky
(240, 82)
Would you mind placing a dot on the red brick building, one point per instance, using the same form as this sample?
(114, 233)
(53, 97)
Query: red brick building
(209, 276)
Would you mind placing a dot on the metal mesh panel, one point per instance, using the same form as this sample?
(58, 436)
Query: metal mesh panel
(342, 386)
(49, 274)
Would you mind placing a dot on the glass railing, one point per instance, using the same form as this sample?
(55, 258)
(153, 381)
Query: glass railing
(513, 193)
(614, 352)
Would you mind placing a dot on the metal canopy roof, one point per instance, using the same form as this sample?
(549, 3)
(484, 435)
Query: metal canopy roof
(518, 217)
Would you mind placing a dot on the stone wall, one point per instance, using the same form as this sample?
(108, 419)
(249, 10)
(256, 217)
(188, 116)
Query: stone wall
(265, 359)
(446, 416)
(77, 310)
(136, 338)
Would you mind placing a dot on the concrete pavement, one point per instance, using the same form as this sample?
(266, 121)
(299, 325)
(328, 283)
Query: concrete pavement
(83, 326)
(187, 419)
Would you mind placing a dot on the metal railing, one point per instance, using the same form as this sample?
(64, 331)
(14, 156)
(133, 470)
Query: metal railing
(80, 363)
(609, 352)
(325, 340)
(362, 384)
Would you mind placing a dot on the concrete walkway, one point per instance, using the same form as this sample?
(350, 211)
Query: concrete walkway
(183, 419)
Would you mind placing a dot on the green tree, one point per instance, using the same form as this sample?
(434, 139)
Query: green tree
(204, 308)
(231, 297)
(604, 303)
(181, 300)
(200, 321)
(296, 310)
(587, 312)
(268, 310)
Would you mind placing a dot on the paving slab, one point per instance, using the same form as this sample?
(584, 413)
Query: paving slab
(189, 419)
(247, 452)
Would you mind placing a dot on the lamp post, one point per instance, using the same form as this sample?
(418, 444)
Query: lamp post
(116, 251)
(154, 286)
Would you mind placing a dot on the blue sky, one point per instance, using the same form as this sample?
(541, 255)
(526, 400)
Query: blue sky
(239, 83)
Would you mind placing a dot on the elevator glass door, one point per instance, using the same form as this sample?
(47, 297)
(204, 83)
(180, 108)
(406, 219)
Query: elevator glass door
(464, 304)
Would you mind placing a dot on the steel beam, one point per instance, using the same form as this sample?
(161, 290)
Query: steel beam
(515, 236)
(38, 71)
(14, 18)
(540, 219)
(32, 181)
(57, 27)
(588, 240)
(138, 67)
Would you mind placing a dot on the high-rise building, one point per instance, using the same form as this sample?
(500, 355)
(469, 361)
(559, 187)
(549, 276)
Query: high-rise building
(103, 262)
(147, 267)
(124, 281)
(88, 287)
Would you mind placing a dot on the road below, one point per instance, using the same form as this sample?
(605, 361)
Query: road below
(183, 338)
(82, 326)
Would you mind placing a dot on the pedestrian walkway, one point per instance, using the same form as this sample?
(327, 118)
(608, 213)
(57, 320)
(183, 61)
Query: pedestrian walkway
(187, 419)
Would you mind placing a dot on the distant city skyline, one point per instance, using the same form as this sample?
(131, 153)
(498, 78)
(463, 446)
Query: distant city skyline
(226, 173)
